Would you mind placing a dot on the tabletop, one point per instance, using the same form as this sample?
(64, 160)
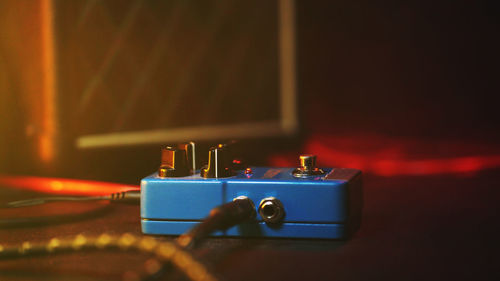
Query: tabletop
(413, 228)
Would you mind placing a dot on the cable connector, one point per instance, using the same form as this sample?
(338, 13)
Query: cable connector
(128, 197)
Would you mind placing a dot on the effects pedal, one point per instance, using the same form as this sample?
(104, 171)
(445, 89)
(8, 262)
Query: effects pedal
(303, 202)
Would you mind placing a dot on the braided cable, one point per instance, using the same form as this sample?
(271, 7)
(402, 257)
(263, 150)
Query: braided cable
(164, 251)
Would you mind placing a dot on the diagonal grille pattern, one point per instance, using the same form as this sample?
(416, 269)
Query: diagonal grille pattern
(141, 65)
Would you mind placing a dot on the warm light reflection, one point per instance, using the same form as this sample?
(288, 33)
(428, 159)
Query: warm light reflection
(389, 157)
(64, 186)
(47, 137)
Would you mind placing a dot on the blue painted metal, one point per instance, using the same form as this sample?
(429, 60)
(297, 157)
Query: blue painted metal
(257, 229)
(315, 207)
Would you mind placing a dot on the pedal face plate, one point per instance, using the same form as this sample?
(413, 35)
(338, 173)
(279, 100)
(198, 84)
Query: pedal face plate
(324, 206)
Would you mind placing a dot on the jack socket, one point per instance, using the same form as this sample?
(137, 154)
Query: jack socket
(271, 210)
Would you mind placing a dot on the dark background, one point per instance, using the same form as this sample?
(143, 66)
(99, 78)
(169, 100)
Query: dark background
(413, 68)
(422, 70)
(404, 90)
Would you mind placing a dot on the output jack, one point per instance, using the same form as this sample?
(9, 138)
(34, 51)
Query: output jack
(271, 210)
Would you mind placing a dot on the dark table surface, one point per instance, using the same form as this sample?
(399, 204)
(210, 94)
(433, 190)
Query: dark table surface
(414, 228)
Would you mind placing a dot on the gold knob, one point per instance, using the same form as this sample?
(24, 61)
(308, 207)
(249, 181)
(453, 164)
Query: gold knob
(308, 162)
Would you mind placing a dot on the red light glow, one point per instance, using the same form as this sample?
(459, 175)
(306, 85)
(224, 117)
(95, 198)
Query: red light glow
(390, 157)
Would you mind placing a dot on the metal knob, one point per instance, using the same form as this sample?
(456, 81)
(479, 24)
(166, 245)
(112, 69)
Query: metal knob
(177, 161)
(307, 167)
(190, 149)
(308, 162)
(218, 165)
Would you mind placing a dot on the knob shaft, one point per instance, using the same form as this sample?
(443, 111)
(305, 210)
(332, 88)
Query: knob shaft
(218, 165)
(190, 149)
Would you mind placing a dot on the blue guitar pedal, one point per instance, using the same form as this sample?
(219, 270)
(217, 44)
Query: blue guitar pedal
(303, 202)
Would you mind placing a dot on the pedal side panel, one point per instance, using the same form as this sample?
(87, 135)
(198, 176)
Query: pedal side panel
(192, 199)
(326, 207)
(322, 202)
(179, 200)
(287, 230)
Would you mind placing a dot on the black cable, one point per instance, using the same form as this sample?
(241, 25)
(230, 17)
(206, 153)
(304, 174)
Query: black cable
(18, 222)
(131, 196)
(220, 218)
(44, 200)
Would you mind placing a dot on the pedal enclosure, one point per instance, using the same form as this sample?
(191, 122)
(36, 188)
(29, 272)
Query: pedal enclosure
(327, 206)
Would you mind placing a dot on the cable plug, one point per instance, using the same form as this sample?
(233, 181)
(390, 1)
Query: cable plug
(220, 218)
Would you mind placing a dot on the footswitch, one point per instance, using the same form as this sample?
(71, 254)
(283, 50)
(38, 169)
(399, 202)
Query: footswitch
(303, 202)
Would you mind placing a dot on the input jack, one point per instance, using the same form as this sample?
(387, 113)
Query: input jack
(271, 210)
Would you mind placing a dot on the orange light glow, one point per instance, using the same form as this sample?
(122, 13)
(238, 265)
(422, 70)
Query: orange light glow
(64, 186)
(46, 141)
